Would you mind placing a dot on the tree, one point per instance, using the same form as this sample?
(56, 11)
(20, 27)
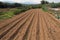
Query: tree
(1, 4)
(17, 5)
(44, 2)
(9, 5)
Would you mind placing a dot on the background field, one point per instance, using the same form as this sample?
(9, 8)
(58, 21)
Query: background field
(8, 10)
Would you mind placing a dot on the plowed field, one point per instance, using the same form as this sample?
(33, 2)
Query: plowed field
(33, 24)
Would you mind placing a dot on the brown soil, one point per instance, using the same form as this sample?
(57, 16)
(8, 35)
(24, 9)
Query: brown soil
(33, 24)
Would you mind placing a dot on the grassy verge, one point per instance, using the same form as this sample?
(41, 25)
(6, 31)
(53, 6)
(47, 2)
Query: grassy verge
(10, 13)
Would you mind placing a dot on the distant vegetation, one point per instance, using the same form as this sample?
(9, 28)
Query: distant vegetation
(9, 5)
(44, 2)
(46, 5)
(7, 10)
(55, 5)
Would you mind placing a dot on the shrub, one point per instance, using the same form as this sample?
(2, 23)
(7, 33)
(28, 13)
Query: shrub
(44, 7)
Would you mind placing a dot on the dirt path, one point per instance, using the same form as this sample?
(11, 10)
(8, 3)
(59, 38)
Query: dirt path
(33, 24)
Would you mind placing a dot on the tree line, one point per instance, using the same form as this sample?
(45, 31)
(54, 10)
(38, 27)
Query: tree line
(13, 5)
(53, 5)
(9, 5)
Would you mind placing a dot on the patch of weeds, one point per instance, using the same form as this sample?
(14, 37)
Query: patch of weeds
(6, 15)
(12, 12)
(44, 8)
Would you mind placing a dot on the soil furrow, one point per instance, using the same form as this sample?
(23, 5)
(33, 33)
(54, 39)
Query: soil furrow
(9, 21)
(34, 24)
(12, 25)
(33, 35)
(42, 34)
(16, 33)
(37, 33)
(53, 25)
(27, 31)
(47, 32)
(53, 18)
(27, 37)
(24, 29)
(7, 32)
(53, 29)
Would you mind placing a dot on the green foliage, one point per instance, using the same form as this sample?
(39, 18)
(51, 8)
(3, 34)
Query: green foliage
(44, 2)
(6, 15)
(10, 13)
(9, 5)
(44, 7)
(18, 9)
(37, 6)
(1, 13)
(55, 5)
